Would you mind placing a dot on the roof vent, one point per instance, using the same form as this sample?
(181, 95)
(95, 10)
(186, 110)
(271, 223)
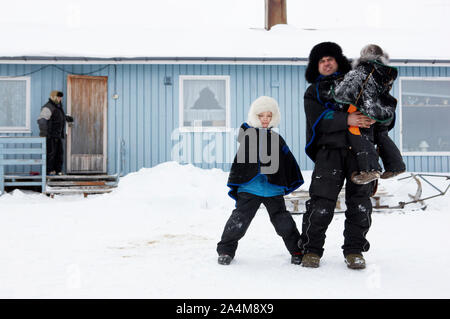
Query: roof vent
(275, 13)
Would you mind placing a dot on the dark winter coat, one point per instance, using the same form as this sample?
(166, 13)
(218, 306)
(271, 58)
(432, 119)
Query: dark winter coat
(248, 162)
(52, 120)
(367, 87)
(326, 121)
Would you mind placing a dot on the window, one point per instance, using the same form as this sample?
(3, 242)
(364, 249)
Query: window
(425, 114)
(14, 104)
(204, 103)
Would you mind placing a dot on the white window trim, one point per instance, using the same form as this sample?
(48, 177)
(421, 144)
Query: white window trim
(27, 127)
(184, 129)
(440, 78)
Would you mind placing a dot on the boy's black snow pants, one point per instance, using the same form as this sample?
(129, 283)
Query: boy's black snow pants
(246, 207)
(332, 167)
(389, 152)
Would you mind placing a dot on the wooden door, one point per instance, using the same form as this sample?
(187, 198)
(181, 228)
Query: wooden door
(87, 136)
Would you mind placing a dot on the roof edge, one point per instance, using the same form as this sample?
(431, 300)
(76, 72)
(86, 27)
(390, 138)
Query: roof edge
(150, 60)
(192, 60)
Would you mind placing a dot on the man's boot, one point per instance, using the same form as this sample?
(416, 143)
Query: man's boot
(355, 261)
(311, 260)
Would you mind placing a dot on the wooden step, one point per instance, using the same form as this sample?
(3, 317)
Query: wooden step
(82, 177)
(81, 183)
(76, 189)
(81, 187)
(85, 192)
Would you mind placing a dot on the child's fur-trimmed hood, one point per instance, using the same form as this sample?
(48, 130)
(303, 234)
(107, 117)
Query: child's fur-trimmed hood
(372, 52)
(264, 104)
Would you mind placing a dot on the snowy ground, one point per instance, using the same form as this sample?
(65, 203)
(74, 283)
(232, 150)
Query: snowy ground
(155, 237)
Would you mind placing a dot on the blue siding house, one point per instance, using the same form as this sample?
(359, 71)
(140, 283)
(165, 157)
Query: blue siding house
(149, 108)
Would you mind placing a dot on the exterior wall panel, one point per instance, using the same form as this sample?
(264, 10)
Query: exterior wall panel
(145, 114)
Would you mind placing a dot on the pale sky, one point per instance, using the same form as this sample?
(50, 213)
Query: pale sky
(369, 13)
(224, 13)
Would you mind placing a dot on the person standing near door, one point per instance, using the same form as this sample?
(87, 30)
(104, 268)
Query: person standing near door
(52, 122)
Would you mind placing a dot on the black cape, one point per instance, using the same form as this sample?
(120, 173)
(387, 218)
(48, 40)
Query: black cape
(251, 161)
(326, 121)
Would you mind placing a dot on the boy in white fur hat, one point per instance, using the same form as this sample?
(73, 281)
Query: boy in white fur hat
(263, 171)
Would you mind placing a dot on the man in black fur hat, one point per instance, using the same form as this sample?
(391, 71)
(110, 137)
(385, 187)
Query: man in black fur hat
(327, 145)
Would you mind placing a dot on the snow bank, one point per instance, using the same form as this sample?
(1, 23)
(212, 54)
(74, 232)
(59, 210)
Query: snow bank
(186, 187)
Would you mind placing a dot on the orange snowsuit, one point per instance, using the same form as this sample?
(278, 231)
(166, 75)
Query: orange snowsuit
(353, 129)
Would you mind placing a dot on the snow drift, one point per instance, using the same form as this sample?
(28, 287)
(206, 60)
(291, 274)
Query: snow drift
(155, 237)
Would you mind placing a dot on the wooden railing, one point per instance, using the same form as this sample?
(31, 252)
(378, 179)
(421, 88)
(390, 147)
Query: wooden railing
(8, 156)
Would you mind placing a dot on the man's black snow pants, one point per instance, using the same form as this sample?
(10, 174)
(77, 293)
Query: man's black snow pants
(55, 154)
(332, 167)
(246, 207)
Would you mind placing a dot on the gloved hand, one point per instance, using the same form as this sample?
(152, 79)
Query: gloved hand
(69, 118)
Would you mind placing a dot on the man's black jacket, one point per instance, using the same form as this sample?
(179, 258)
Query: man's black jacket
(55, 125)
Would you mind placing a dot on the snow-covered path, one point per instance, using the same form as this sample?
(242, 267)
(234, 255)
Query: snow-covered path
(142, 241)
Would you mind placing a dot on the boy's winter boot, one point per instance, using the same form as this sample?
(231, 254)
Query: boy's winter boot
(224, 259)
(311, 260)
(390, 155)
(390, 174)
(365, 177)
(355, 261)
(296, 259)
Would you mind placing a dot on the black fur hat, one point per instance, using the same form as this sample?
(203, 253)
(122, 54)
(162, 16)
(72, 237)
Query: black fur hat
(318, 52)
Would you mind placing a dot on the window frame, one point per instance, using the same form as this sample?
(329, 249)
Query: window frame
(421, 78)
(227, 127)
(27, 127)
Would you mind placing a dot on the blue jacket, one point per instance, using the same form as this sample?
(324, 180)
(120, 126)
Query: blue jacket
(260, 186)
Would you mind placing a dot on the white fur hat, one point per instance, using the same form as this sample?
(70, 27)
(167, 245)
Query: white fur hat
(263, 104)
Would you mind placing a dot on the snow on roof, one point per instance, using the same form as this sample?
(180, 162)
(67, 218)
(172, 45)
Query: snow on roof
(221, 28)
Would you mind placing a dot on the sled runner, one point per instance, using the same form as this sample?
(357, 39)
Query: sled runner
(416, 198)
